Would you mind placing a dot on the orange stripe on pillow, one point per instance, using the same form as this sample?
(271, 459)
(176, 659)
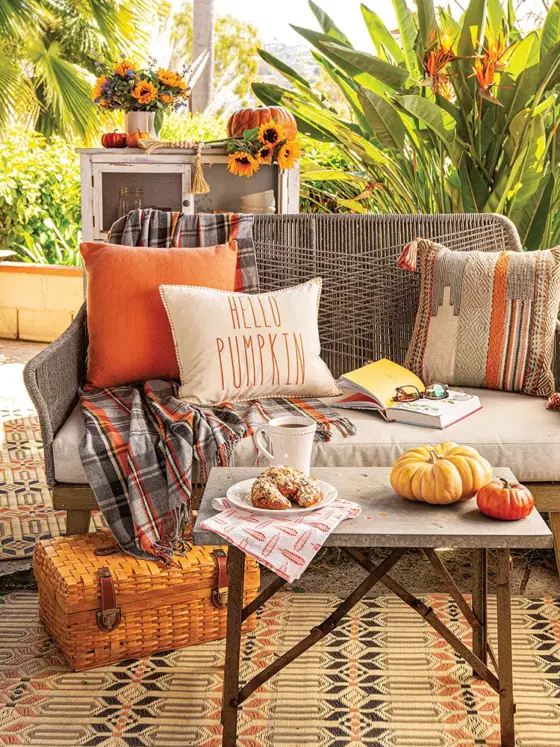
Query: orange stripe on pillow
(497, 322)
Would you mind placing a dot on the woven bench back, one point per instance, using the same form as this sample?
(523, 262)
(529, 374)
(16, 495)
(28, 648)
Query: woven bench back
(368, 305)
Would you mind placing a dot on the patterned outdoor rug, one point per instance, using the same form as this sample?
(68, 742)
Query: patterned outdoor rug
(382, 679)
(26, 512)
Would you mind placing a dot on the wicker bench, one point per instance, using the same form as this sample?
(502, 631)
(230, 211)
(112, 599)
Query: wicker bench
(367, 311)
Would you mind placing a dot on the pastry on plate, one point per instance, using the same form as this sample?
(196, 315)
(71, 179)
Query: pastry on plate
(281, 487)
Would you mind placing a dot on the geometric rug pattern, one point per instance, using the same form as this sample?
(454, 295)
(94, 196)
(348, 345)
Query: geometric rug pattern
(383, 678)
(26, 512)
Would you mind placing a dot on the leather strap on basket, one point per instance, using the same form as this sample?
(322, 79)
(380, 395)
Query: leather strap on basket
(220, 593)
(109, 617)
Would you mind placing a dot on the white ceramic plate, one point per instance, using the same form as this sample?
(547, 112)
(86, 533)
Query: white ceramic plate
(240, 496)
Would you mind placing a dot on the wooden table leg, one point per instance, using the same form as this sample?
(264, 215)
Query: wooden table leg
(480, 603)
(505, 655)
(236, 573)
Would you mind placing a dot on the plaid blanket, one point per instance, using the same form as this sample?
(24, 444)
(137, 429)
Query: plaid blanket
(142, 444)
(165, 229)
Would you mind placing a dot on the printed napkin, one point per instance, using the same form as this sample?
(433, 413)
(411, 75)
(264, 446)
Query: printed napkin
(285, 545)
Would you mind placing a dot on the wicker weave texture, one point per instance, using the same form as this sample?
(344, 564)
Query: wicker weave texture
(162, 608)
(368, 304)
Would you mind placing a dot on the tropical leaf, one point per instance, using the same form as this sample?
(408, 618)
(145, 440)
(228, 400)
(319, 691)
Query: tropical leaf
(437, 119)
(386, 46)
(408, 32)
(383, 119)
(473, 188)
(531, 220)
(471, 40)
(550, 34)
(327, 24)
(529, 136)
(428, 31)
(18, 19)
(496, 20)
(273, 95)
(392, 75)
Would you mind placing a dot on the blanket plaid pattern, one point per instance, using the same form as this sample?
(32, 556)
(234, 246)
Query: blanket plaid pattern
(142, 445)
(161, 228)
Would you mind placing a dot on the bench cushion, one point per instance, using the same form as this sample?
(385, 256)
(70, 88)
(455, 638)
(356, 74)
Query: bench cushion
(511, 430)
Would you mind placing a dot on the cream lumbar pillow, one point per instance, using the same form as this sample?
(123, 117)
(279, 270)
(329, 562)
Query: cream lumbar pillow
(236, 347)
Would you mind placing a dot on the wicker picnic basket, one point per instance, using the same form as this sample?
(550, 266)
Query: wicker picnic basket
(102, 606)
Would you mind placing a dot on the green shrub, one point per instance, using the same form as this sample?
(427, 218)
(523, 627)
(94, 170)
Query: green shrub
(40, 199)
(194, 127)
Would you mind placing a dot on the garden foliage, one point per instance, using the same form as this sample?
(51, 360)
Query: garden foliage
(40, 199)
(453, 116)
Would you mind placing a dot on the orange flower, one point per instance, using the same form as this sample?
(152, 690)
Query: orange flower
(123, 67)
(435, 63)
(144, 92)
(167, 77)
(271, 133)
(166, 98)
(485, 71)
(265, 154)
(289, 154)
(242, 163)
(97, 90)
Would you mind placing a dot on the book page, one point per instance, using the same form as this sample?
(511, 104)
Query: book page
(381, 378)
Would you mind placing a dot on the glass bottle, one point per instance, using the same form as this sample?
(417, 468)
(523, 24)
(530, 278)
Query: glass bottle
(130, 198)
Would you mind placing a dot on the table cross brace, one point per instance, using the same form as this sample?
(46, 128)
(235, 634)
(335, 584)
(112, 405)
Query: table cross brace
(432, 619)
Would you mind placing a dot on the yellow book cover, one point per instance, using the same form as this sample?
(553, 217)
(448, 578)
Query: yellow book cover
(380, 380)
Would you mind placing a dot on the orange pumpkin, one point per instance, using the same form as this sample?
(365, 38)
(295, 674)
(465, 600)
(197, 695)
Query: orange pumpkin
(114, 140)
(246, 119)
(503, 500)
(133, 139)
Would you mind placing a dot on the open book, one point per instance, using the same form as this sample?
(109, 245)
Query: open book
(373, 387)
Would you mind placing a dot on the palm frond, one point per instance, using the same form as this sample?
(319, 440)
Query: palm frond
(64, 92)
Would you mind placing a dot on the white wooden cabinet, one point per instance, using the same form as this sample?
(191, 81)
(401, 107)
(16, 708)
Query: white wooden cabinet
(165, 178)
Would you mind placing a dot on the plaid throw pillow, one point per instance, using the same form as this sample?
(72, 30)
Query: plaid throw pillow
(160, 228)
(485, 319)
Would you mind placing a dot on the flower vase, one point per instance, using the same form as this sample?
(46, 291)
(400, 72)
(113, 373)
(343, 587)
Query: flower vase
(143, 121)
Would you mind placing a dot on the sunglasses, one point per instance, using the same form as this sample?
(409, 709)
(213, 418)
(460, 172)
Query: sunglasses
(411, 393)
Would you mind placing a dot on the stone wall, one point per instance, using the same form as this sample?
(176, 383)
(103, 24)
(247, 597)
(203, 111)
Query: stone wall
(38, 302)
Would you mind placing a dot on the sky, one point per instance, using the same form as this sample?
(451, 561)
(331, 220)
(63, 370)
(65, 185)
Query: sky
(273, 18)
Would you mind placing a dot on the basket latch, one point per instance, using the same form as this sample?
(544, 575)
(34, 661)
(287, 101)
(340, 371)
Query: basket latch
(220, 593)
(109, 617)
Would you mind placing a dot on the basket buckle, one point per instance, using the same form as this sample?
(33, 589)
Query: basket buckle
(109, 616)
(219, 594)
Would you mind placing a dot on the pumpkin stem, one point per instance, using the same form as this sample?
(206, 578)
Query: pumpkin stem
(506, 484)
(433, 456)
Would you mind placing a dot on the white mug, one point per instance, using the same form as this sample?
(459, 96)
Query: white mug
(291, 439)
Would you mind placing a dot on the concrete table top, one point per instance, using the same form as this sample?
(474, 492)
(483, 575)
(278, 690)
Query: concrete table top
(389, 521)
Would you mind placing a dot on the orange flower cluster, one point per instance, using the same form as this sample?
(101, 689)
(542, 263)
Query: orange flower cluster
(267, 146)
(435, 67)
(487, 65)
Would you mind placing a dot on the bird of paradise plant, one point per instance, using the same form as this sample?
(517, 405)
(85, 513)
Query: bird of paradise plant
(446, 116)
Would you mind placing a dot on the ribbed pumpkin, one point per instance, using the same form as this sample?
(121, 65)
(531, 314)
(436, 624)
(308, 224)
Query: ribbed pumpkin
(503, 500)
(246, 119)
(442, 473)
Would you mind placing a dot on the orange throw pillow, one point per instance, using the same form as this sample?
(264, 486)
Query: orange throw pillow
(130, 338)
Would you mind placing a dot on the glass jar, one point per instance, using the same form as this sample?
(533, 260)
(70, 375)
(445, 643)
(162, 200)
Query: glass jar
(130, 198)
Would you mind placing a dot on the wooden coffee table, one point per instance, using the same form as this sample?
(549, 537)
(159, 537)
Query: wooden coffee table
(399, 525)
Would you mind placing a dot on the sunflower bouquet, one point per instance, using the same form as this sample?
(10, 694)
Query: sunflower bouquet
(126, 86)
(266, 144)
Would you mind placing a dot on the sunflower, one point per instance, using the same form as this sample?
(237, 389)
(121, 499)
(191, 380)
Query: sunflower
(97, 90)
(144, 92)
(167, 77)
(288, 154)
(265, 153)
(165, 98)
(123, 68)
(271, 133)
(242, 163)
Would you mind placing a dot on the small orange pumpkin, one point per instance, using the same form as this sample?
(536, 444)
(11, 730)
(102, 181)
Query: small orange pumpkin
(246, 119)
(503, 500)
(134, 138)
(114, 140)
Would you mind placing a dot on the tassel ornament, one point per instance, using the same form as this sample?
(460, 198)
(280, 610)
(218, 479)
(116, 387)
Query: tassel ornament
(199, 185)
(409, 256)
